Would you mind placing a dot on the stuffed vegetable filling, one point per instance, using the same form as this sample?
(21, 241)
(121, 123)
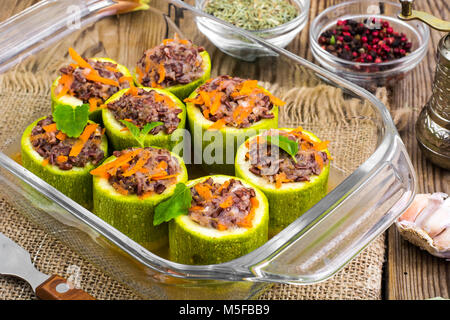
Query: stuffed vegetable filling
(223, 206)
(141, 107)
(275, 165)
(235, 102)
(90, 80)
(58, 149)
(140, 171)
(173, 62)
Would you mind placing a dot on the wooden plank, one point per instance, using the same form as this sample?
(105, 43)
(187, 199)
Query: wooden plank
(412, 273)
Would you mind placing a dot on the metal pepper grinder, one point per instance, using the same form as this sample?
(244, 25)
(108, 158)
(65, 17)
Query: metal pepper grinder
(433, 124)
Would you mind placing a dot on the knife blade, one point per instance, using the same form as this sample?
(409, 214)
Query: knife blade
(16, 261)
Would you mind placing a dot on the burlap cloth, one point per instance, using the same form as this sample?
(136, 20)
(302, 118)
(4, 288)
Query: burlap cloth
(360, 279)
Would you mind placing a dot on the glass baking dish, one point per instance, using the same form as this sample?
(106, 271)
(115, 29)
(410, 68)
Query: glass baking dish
(371, 183)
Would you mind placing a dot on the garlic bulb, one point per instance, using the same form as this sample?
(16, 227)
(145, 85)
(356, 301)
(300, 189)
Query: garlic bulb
(426, 223)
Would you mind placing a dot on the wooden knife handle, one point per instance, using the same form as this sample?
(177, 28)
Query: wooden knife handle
(56, 288)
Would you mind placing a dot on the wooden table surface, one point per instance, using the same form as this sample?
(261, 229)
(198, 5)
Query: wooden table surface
(410, 273)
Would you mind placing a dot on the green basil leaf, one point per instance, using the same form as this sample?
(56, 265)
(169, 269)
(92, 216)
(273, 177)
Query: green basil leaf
(149, 126)
(178, 204)
(139, 134)
(71, 120)
(284, 143)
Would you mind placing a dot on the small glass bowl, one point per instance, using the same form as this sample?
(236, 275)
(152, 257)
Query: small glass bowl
(369, 75)
(237, 46)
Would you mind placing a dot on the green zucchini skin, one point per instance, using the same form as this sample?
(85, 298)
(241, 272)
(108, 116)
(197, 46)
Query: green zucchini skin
(75, 183)
(190, 243)
(133, 216)
(95, 115)
(231, 138)
(287, 203)
(183, 91)
(124, 139)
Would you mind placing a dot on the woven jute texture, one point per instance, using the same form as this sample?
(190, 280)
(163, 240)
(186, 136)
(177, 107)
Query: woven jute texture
(359, 279)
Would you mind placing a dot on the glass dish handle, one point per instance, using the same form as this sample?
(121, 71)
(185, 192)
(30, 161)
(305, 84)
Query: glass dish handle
(364, 211)
(45, 22)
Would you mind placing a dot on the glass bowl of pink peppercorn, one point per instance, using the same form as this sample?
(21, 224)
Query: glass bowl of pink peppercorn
(365, 42)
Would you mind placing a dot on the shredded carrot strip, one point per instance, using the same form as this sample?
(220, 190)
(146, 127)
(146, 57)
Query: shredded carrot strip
(88, 130)
(66, 80)
(117, 163)
(206, 97)
(228, 202)
(84, 137)
(94, 76)
(79, 60)
(61, 136)
(204, 191)
(161, 72)
(279, 179)
(223, 186)
(217, 125)
(196, 208)
(125, 78)
(45, 162)
(133, 91)
(120, 189)
(276, 101)
(145, 195)
(321, 145)
(147, 63)
(138, 165)
(61, 159)
(93, 102)
(255, 202)
(319, 160)
(112, 69)
(247, 222)
(164, 177)
(167, 41)
(221, 227)
(197, 100)
(140, 74)
(216, 103)
(50, 127)
(162, 165)
(76, 148)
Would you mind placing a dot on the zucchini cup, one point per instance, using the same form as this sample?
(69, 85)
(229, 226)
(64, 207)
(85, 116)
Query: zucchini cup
(222, 114)
(141, 106)
(128, 186)
(61, 161)
(176, 65)
(90, 81)
(291, 186)
(228, 218)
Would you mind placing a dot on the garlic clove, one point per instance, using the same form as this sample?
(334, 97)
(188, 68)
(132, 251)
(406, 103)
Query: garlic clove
(427, 223)
(442, 241)
(420, 202)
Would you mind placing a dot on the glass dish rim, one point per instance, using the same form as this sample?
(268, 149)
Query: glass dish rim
(348, 64)
(240, 268)
(304, 13)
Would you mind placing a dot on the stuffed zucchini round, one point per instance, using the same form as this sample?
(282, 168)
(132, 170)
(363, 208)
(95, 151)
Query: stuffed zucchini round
(128, 186)
(142, 106)
(292, 186)
(90, 81)
(228, 218)
(222, 114)
(61, 161)
(175, 65)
